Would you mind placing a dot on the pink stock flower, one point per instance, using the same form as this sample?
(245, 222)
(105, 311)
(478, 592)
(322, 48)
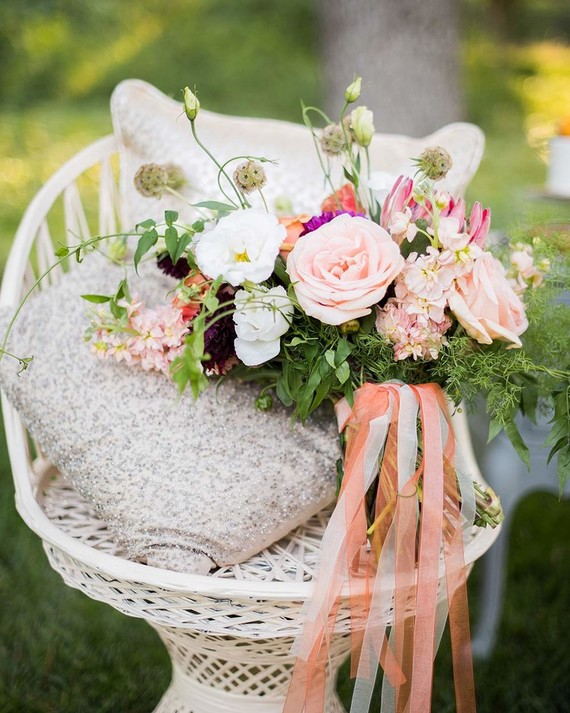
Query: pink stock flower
(343, 268)
(151, 338)
(459, 252)
(149, 332)
(523, 272)
(415, 336)
(426, 276)
(401, 226)
(486, 305)
(479, 224)
(412, 303)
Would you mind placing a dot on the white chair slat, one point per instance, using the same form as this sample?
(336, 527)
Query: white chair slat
(76, 225)
(108, 200)
(45, 251)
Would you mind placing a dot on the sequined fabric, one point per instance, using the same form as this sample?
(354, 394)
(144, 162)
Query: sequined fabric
(181, 484)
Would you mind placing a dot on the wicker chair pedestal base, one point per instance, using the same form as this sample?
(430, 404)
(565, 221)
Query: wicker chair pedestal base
(227, 674)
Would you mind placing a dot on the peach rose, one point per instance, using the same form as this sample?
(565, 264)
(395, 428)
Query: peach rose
(294, 227)
(343, 268)
(486, 306)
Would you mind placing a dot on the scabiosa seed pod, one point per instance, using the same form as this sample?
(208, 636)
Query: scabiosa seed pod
(250, 176)
(332, 139)
(435, 162)
(152, 179)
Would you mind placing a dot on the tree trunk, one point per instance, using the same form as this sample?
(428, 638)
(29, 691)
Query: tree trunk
(406, 51)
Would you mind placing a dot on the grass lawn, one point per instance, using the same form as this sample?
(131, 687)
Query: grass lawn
(63, 653)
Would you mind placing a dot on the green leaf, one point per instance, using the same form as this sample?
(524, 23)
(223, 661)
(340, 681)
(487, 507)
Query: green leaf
(495, 427)
(211, 302)
(170, 216)
(214, 205)
(282, 392)
(146, 224)
(296, 341)
(329, 356)
(147, 240)
(516, 439)
(325, 368)
(183, 243)
(357, 163)
(349, 176)
(343, 350)
(97, 299)
(63, 251)
(281, 272)
(123, 291)
(342, 372)
(418, 245)
(558, 446)
(198, 225)
(116, 310)
(563, 466)
(171, 240)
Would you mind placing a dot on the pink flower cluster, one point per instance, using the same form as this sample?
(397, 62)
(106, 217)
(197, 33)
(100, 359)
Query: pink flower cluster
(413, 335)
(523, 271)
(150, 338)
(454, 275)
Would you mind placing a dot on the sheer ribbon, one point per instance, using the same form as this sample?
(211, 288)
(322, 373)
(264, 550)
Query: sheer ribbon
(402, 587)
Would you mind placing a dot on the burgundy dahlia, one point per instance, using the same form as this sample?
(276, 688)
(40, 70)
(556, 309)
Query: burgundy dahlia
(219, 338)
(179, 270)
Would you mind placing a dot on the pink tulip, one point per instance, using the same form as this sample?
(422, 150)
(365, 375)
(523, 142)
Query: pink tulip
(455, 209)
(396, 200)
(479, 224)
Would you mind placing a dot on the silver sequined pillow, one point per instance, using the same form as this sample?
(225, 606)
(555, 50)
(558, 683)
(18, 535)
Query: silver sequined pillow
(181, 484)
(152, 128)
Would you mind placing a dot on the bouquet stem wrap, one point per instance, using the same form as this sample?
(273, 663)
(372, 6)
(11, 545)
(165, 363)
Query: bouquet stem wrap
(401, 588)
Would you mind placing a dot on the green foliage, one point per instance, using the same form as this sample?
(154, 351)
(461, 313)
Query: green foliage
(187, 370)
(559, 436)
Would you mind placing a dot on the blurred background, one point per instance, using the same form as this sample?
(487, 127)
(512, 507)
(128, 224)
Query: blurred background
(503, 64)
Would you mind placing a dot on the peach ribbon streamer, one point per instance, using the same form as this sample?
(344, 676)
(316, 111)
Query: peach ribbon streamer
(402, 587)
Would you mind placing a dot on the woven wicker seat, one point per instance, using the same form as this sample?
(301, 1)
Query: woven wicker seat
(228, 633)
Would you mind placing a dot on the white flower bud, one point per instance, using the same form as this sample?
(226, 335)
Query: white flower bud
(353, 90)
(191, 104)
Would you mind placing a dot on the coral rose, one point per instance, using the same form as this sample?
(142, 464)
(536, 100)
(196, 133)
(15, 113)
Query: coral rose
(486, 306)
(343, 268)
(343, 199)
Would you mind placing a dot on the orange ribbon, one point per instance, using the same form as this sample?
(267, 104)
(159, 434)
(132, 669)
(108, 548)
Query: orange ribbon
(397, 583)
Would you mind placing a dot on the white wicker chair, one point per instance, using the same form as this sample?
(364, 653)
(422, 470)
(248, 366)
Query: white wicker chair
(228, 634)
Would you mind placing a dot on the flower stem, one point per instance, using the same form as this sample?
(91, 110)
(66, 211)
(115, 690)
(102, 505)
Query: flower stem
(220, 167)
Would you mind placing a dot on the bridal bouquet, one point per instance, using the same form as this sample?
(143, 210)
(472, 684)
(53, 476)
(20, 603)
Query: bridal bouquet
(384, 282)
(390, 303)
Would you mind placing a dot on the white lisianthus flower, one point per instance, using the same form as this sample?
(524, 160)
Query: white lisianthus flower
(262, 317)
(361, 122)
(243, 246)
